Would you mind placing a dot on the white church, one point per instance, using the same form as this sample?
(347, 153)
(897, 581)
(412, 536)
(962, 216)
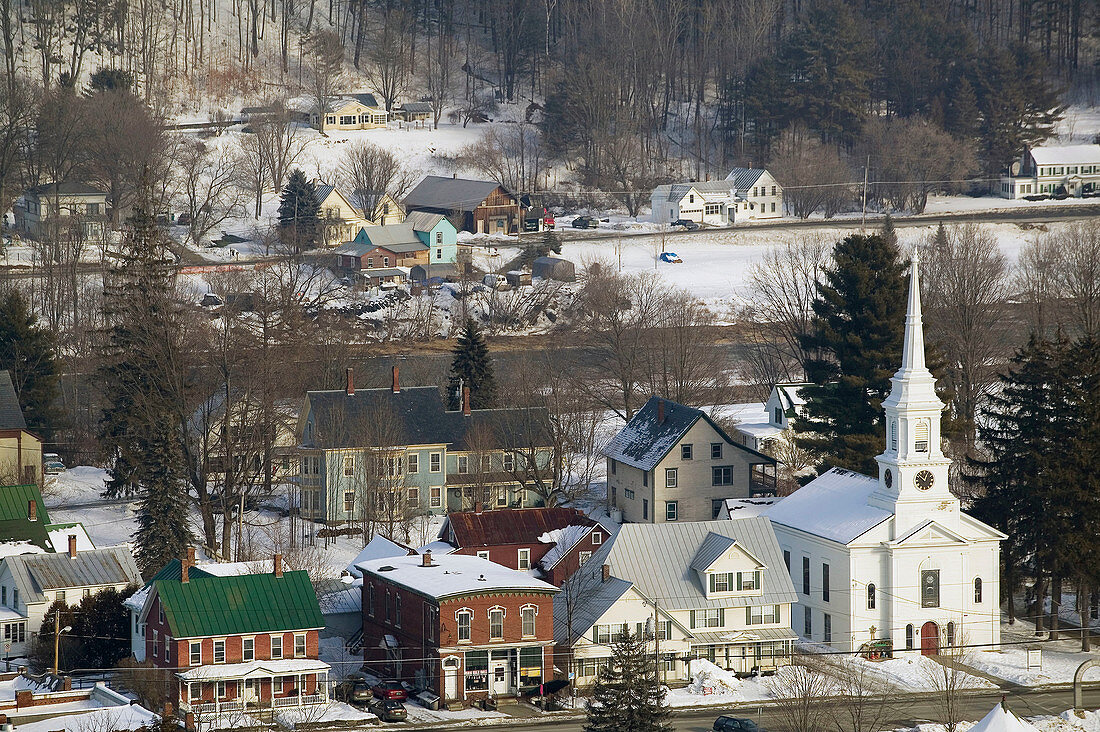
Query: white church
(891, 564)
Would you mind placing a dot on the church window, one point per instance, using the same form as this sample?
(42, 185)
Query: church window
(805, 575)
(808, 625)
(827, 633)
(930, 588)
(824, 582)
(909, 637)
(977, 590)
(871, 596)
(894, 435)
(950, 634)
(920, 443)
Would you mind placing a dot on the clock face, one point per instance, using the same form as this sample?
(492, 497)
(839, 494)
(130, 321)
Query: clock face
(924, 480)
(888, 478)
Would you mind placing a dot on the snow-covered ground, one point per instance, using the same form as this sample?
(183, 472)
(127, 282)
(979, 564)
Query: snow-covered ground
(1060, 659)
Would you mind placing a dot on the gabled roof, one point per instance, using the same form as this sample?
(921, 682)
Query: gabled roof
(714, 546)
(453, 575)
(398, 238)
(366, 99)
(645, 441)
(11, 414)
(710, 190)
(833, 506)
(745, 177)
(449, 194)
(509, 526)
(1066, 154)
(591, 598)
(14, 500)
(788, 394)
(423, 221)
(35, 573)
(333, 104)
(417, 107)
(250, 603)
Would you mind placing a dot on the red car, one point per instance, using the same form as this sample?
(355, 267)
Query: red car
(390, 690)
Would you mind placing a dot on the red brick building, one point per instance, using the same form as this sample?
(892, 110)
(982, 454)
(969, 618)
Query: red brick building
(462, 626)
(240, 642)
(553, 540)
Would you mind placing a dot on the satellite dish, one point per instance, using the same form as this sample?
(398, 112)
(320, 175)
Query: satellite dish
(1015, 169)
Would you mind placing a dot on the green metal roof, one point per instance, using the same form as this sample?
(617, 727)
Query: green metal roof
(250, 603)
(14, 500)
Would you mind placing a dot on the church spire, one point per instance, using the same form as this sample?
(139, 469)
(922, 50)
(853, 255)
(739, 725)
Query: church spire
(913, 350)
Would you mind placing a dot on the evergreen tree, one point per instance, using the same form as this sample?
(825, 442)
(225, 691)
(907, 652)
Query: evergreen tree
(627, 694)
(163, 526)
(961, 117)
(299, 213)
(889, 233)
(856, 338)
(472, 367)
(27, 352)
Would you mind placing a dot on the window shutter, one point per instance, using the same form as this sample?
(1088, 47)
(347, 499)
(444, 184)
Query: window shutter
(738, 581)
(757, 578)
(721, 616)
(595, 634)
(748, 615)
(693, 618)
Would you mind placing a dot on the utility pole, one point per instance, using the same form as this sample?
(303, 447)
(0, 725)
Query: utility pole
(56, 638)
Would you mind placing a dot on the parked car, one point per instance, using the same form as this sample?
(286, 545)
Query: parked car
(390, 690)
(687, 224)
(388, 710)
(548, 222)
(52, 463)
(355, 690)
(733, 724)
(586, 222)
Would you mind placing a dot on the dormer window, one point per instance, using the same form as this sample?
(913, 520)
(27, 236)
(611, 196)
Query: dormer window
(734, 581)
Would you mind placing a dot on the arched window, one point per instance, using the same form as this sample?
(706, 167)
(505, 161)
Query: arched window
(871, 596)
(950, 634)
(464, 618)
(496, 623)
(977, 589)
(920, 436)
(909, 637)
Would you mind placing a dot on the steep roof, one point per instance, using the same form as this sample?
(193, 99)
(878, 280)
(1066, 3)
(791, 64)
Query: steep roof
(417, 107)
(509, 526)
(789, 394)
(449, 194)
(645, 441)
(11, 414)
(423, 220)
(249, 603)
(35, 573)
(453, 575)
(1066, 154)
(745, 177)
(833, 506)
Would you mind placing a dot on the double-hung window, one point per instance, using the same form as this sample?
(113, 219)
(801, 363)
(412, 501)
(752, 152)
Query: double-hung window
(276, 647)
(524, 559)
(299, 645)
(435, 462)
(712, 617)
(496, 623)
(248, 649)
(672, 510)
(670, 477)
(762, 614)
(722, 475)
(195, 653)
(219, 650)
(464, 618)
(527, 619)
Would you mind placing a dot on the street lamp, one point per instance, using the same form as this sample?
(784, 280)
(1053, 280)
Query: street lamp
(57, 637)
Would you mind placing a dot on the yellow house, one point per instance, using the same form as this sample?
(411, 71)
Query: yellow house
(388, 211)
(20, 450)
(352, 112)
(340, 219)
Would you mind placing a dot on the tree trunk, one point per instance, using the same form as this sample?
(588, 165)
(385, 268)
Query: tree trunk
(1040, 604)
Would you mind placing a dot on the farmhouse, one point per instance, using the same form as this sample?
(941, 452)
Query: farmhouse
(69, 207)
(762, 193)
(704, 202)
(351, 112)
(1071, 170)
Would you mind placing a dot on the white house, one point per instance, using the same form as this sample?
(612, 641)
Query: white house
(1073, 170)
(763, 196)
(704, 202)
(892, 564)
(715, 590)
(761, 422)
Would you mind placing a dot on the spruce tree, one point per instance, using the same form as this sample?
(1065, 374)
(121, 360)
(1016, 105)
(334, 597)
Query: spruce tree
(627, 694)
(472, 367)
(27, 352)
(163, 526)
(299, 213)
(889, 233)
(856, 342)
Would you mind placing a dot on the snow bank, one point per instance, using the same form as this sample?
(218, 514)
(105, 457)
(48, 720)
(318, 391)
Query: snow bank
(707, 678)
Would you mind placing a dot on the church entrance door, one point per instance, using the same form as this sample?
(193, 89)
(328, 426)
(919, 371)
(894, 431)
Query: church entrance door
(929, 639)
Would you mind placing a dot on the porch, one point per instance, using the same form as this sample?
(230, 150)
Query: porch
(255, 686)
(742, 652)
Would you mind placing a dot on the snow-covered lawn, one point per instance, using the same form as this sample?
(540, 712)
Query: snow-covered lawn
(918, 673)
(334, 711)
(1060, 659)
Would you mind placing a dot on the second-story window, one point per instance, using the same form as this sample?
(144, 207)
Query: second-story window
(716, 451)
(671, 476)
(509, 462)
(397, 610)
(276, 647)
(412, 463)
(464, 619)
(349, 465)
(195, 653)
(463, 464)
(370, 600)
(527, 618)
(524, 560)
(248, 649)
(156, 644)
(496, 623)
(219, 650)
(435, 462)
(299, 645)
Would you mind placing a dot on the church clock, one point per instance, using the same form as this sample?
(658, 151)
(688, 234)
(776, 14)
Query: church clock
(924, 480)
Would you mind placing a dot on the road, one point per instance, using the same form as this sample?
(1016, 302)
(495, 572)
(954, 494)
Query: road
(907, 711)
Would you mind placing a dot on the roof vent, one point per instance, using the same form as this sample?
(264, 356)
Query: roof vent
(481, 578)
(387, 568)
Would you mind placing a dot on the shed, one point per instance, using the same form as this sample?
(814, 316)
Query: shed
(554, 268)
(445, 272)
(518, 277)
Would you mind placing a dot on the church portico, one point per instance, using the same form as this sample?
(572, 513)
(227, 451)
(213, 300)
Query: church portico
(892, 562)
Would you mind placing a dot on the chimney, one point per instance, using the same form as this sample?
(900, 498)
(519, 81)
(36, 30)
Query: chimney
(72, 546)
(426, 559)
(185, 576)
(660, 411)
(466, 400)
(605, 572)
(395, 387)
(32, 510)
(478, 507)
(350, 387)
(277, 565)
(191, 555)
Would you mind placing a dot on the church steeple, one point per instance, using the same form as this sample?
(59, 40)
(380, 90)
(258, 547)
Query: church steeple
(912, 356)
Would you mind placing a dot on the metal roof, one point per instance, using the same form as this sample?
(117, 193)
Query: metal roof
(509, 526)
(250, 603)
(67, 189)
(449, 194)
(591, 598)
(714, 546)
(11, 415)
(423, 220)
(14, 500)
(35, 573)
(743, 178)
(417, 107)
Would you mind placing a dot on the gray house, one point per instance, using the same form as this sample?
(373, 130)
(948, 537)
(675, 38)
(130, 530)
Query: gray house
(388, 454)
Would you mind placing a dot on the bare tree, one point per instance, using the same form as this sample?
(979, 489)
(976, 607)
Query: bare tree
(370, 172)
(1079, 273)
(389, 59)
(802, 689)
(513, 156)
(208, 183)
(326, 54)
(813, 175)
(277, 142)
(862, 702)
(438, 63)
(1037, 280)
(946, 675)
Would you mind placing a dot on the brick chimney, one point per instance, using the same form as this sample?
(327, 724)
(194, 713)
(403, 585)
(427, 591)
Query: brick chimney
(478, 506)
(605, 572)
(395, 387)
(185, 576)
(660, 411)
(349, 387)
(426, 559)
(277, 565)
(191, 555)
(32, 510)
(466, 400)
(72, 546)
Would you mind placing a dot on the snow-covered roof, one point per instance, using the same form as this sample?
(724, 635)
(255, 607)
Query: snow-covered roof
(563, 540)
(711, 190)
(789, 395)
(1000, 719)
(834, 506)
(739, 508)
(1066, 155)
(379, 547)
(437, 548)
(753, 420)
(59, 536)
(116, 719)
(244, 670)
(452, 574)
(348, 599)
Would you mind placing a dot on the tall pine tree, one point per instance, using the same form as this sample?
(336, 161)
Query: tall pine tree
(627, 694)
(163, 527)
(472, 367)
(856, 338)
(27, 352)
(299, 213)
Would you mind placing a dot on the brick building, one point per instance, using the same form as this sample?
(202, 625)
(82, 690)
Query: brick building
(462, 626)
(234, 643)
